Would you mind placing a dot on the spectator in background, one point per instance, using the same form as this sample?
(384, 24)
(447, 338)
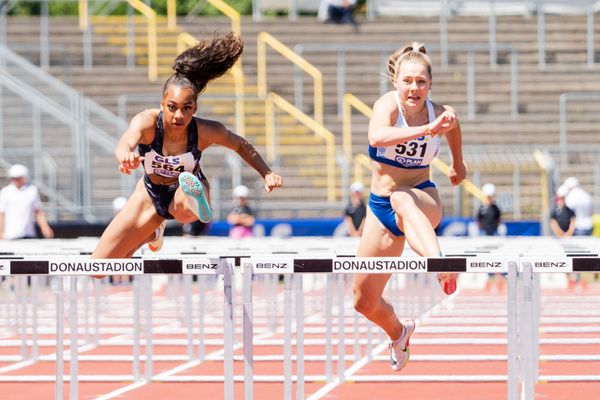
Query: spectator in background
(21, 208)
(489, 215)
(356, 211)
(578, 200)
(241, 217)
(562, 222)
(562, 218)
(337, 11)
(488, 220)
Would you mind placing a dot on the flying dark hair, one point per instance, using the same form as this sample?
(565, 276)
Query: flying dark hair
(207, 60)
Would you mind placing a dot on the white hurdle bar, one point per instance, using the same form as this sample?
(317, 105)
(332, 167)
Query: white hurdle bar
(523, 305)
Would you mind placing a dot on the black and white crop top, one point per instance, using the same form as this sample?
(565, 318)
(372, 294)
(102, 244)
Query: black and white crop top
(416, 153)
(170, 166)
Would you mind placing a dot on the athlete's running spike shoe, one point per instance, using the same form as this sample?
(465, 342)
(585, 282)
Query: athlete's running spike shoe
(159, 238)
(194, 192)
(399, 352)
(448, 282)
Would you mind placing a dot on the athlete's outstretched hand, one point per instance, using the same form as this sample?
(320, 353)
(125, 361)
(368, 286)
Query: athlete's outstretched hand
(457, 173)
(443, 123)
(129, 162)
(272, 181)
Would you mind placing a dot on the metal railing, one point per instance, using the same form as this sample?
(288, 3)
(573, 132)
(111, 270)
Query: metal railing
(84, 118)
(341, 49)
(351, 101)
(151, 21)
(230, 13)
(547, 166)
(172, 14)
(447, 8)
(319, 130)
(265, 39)
(84, 14)
(563, 117)
(500, 162)
(361, 162)
(150, 16)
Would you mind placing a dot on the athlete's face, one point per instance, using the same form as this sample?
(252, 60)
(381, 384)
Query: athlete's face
(413, 84)
(178, 106)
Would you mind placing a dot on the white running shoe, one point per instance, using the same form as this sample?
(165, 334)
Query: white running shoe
(159, 238)
(399, 352)
(194, 192)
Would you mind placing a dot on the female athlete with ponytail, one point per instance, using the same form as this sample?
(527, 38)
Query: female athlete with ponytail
(404, 205)
(168, 143)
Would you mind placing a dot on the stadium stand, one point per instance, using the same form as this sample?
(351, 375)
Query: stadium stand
(491, 127)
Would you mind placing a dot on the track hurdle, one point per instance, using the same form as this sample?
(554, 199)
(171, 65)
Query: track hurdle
(523, 299)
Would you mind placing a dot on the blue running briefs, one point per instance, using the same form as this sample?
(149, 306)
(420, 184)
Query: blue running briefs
(382, 208)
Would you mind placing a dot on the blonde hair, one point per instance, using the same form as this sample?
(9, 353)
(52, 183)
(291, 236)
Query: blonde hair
(415, 52)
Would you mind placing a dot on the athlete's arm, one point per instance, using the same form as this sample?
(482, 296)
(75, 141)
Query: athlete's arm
(556, 228)
(214, 132)
(458, 170)
(382, 131)
(571, 230)
(42, 221)
(139, 130)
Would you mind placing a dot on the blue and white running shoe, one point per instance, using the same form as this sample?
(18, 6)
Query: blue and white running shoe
(196, 197)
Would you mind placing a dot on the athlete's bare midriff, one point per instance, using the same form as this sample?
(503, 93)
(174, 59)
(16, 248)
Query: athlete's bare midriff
(387, 179)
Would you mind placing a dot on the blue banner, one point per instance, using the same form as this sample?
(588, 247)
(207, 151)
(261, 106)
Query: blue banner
(451, 226)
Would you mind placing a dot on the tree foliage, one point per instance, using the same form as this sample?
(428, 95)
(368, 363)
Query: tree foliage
(184, 7)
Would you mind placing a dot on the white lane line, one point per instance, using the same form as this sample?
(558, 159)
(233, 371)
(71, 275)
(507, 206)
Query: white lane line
(216, 355)
(16, 366)
(319, 394)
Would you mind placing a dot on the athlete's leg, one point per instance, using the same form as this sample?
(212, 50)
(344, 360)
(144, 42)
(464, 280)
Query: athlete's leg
(180, 207)
(376, 241)
(142, 242)
(419, 211)
(132, 226)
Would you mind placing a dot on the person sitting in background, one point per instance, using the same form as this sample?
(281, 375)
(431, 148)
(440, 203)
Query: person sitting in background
(337, 11)
(578, 200)
(21, 208)
(241, 217)
(488, 220)
(356, 211)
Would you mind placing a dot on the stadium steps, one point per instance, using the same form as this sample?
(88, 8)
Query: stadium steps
(538, 99)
